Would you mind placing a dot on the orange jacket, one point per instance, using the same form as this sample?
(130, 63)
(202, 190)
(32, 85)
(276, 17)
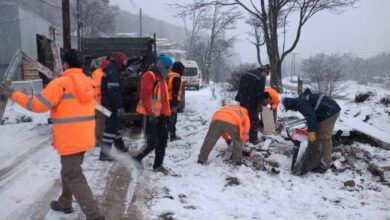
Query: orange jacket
(172, 75)
(71, 102)
(235, 115)
(273, 99)
(154, 86)
(97, 76)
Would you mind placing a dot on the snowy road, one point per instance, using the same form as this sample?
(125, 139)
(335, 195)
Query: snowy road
(30, 173)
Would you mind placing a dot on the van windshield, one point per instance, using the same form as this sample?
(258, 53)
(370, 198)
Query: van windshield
(190, 71)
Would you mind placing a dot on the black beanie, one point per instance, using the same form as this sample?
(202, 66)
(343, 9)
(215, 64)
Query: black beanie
(71, 57)
(178, 67)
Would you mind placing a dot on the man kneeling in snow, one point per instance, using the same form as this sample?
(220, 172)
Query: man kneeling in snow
(232, 122)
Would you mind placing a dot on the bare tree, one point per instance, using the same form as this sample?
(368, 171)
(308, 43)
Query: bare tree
(207, 34)
(198, 18)
(256, 35)
(270, 12)
(97, 17)
(324, 73)
(218, 43)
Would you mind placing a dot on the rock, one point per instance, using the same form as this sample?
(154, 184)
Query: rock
(275, 170)
(232, 181)
(350, 183)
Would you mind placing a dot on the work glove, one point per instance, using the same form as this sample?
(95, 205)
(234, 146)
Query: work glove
(228, 141)
(269, 107)
(121, 111)
(174, 109)
(152, 119)
(5, 90)
(311, 136)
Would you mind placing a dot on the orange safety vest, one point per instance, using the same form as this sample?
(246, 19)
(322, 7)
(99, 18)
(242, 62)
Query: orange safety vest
(235, 115)
(97, 76)
(155, 99)
(172, 75)
(273, 100)
(70, 99)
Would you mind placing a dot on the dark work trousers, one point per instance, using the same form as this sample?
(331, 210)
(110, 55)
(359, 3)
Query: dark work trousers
(111, 134)
(75, 184)
(172, 120)
(255, 122)
(156, 139)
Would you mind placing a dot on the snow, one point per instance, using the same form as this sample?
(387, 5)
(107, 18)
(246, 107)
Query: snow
(30, 173)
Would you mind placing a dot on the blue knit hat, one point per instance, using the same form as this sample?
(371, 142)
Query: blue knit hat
(166, 60)
(290, 103)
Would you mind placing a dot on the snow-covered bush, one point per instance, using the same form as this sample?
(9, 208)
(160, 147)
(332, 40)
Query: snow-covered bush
(363, 96)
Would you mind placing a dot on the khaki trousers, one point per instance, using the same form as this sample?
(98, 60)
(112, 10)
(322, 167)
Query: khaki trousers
(324, 140)
(75, 183)
(216, 129)
(100, 117)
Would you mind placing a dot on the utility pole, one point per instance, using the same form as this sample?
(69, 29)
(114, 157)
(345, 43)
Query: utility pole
(78, 24)
(66, 24)
(140, 22)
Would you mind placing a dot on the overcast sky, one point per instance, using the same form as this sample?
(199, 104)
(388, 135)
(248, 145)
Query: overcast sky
(363, 31)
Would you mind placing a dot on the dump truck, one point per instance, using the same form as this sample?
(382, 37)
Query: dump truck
(141, 54)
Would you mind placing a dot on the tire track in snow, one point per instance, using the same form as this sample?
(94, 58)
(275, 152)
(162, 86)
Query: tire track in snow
(40, 207)
(21, 162)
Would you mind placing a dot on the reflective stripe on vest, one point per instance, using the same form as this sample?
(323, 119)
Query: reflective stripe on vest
(172, 75)
(253, 75)
(319, 100)
(70, 120)
(155, 100)
(109, 85)
(44, 101)
(238, 111)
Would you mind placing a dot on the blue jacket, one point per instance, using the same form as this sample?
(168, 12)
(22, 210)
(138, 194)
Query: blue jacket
(315, 107)
(111, 89)
(251, 89)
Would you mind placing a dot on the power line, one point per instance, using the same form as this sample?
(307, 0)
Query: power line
(51, 4)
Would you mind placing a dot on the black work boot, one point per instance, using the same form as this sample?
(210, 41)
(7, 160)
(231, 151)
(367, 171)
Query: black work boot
(105, 153)
(161, 169)
(57, 207)
(174, 137)
(100, 218)
(120, 145)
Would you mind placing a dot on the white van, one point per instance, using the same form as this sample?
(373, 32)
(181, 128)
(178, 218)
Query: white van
(192, 75)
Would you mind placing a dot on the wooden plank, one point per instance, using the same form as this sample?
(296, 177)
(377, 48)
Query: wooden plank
(57, 58)
(38, 66)
(9, 73)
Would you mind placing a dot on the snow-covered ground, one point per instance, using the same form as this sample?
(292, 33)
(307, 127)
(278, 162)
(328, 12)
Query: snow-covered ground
(202, 192)
(30, 179)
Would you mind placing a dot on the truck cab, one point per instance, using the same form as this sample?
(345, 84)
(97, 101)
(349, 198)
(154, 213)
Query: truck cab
(192, 75)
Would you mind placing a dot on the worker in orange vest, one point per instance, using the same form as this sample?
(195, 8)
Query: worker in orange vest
(232, 123)
(271, 100)
(175, 86)
(154, 106)
(97, 76)
(71, 102)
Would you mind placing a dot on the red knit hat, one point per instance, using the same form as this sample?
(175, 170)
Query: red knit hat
(104, 63)
(119, 58)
